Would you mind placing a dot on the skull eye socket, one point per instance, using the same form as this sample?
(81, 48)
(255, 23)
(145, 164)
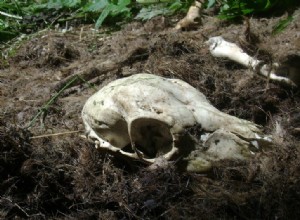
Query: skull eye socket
(116, 134)
(151, 136)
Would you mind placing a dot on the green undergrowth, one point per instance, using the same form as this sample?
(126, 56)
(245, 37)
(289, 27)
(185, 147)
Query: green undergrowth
(237, 9)
(28, 16)
(234, 9)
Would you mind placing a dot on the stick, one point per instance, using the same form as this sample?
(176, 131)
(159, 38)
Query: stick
(17, 206)
(53, 135)
(10, 16)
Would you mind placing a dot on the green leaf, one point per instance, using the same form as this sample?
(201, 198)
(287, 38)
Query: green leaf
(247, 11)
(103, 15)
(175, 6)
(268, 5)
(124, 2)
(149, 12)
(71, 3)
(152, 1)
(211, 3)
(114, 10)
(282, 24)
(59, 4)
(95, 6)
(3, 24)
(121, 7)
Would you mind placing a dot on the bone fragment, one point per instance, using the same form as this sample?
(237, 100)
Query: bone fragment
(221, 48)
(189, 20)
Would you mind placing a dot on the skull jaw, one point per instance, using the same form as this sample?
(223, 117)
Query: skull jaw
(217, 146)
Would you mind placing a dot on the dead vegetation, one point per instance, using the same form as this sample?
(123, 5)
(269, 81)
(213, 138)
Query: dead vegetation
(64, 177)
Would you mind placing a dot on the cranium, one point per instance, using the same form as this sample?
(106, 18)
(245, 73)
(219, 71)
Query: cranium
(152, 114)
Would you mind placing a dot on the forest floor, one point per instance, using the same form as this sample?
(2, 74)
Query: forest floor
(64, 177)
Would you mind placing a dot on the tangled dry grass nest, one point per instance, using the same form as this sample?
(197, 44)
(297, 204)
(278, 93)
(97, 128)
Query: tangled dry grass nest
(41, 181)
(64, 177)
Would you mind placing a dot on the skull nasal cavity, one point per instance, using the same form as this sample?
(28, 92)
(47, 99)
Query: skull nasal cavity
(151, 136)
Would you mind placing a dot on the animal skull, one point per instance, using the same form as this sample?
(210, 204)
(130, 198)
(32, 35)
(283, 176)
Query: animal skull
(153, 114)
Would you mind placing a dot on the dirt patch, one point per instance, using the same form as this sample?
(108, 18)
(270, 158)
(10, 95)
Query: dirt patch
(64, 177)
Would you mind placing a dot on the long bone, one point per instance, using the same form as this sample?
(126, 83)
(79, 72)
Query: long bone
(221, 48)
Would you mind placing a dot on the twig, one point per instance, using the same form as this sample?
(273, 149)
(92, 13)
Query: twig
(80, 35)
(10, 15)
(17, 206)
(53, 135)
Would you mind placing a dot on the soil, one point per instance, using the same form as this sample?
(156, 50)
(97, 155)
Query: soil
(64, 177)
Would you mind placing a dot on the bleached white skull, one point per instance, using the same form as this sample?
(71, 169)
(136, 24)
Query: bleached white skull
(160, 117)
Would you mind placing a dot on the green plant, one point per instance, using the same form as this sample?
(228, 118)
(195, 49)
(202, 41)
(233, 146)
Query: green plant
(113, 9)
(44, 109)
(235, 9)
(152, 8)
(282, 24)
(9, 14)
(29, 15)
(232, 9)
